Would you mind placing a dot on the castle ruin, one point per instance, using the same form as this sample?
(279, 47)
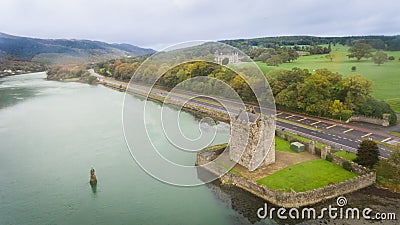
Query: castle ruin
(252, 143)
(233, 57)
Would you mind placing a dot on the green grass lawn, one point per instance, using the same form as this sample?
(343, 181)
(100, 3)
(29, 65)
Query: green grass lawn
(394, 133)
(305, 140)
(283, 145)
(346, 155)
(394, 103)
(386, 77)
(306, 176)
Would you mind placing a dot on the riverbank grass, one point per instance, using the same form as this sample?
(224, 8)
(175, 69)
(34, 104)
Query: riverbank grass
(306, 176)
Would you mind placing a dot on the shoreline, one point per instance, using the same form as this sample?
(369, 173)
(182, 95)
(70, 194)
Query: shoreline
(195, 110)
(18, 74)
(198, 112)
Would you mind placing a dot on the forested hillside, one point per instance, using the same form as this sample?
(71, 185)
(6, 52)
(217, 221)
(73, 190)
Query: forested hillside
(64, 51)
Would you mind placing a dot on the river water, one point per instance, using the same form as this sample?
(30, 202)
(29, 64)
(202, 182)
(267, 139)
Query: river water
(52, 133)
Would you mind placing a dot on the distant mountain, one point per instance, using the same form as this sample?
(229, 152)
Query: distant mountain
(61, 51)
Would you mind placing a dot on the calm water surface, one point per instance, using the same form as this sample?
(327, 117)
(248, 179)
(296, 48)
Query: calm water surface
(52, 133)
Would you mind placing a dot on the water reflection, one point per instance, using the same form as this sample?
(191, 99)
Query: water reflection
(94, 188)
(11, 96)
(15, 89)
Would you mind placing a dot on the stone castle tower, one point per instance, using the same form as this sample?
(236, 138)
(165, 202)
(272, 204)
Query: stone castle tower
(233, 57)
(255, 134)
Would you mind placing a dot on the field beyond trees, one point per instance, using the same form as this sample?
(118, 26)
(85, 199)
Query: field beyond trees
(325, 82)
(385, 77)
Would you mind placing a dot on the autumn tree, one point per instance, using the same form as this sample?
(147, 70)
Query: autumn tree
(337, 107)
(360, 50)
(356, 90)
(380, 57)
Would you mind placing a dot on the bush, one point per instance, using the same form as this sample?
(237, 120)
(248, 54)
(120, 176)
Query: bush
(376, 108)
(354, 68)
(91, 80)
(346, 114)
(347, 165)
(388, 175)
(391, 57)
(329, 158)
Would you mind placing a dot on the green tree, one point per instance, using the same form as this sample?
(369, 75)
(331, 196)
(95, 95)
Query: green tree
(337, 108)
(380, 57)
(367, 153)
(360, 50)
(330, 56)
(293, 55)
(395, 157)
(275, 60)
(356, 90)
(315, 95)
(225, 61)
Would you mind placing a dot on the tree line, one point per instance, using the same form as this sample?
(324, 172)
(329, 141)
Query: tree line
(322, 93)
(284, 54)
(66, 72)
(387, 43)
(362, 49)
(326, 94)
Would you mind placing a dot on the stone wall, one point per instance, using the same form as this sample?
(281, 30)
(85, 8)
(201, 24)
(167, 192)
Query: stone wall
(378, 121)
(310, 147)
(355, 168)
(291, 199)
(297, 199)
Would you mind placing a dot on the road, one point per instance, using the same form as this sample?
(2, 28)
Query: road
(337, 135)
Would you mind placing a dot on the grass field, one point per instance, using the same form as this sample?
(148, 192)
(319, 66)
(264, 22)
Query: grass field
(386, 77)
(346, 155)
(306, 176)
(282, 145)
(395, 133)
(303, 139)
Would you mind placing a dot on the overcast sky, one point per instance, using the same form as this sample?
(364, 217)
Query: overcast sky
(159, 23)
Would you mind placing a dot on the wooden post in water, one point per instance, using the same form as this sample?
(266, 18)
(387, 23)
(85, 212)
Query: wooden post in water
(93, 179)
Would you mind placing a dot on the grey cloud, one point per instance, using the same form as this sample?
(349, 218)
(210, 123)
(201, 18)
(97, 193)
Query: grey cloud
(157, 23)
